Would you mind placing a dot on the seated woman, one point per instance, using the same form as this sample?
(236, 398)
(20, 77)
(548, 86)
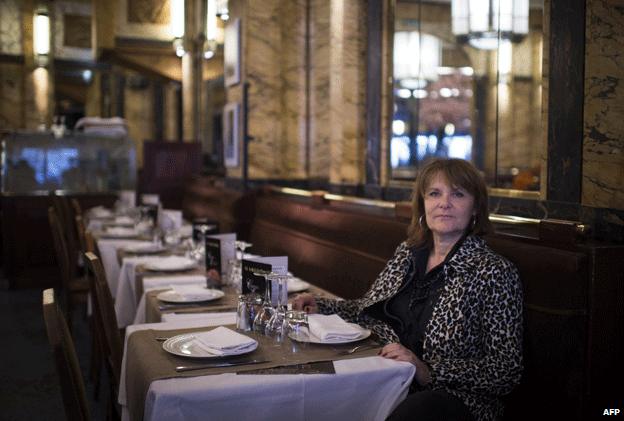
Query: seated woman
(445, 302)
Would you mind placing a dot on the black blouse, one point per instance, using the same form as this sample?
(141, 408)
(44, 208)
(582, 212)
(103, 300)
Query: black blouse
(410, 309)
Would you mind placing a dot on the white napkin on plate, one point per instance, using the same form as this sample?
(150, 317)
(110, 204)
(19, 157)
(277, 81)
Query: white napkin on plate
(171, 263)
(331, 328)
(224, 341)
(192, 292)
(121, 231)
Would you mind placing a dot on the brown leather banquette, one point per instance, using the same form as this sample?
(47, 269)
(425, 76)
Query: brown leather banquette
(572, 291)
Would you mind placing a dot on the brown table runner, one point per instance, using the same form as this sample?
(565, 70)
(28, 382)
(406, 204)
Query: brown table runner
(147, 361)
(154, 308)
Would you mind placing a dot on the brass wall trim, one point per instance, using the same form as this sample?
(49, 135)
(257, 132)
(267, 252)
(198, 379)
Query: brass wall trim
(516, 194)
(513, 220)
(360, 201)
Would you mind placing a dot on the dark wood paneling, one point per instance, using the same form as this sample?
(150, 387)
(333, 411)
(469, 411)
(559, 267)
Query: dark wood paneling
(565, 100)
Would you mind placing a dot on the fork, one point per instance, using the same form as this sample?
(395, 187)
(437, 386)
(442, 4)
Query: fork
(356, 348)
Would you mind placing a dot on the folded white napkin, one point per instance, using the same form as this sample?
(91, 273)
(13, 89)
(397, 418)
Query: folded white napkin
(192, 292)
(125, 220)
(170, 263)
(224, 341)
(121, 231)
(330, 328)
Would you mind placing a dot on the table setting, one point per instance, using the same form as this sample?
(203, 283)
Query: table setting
(322, 381)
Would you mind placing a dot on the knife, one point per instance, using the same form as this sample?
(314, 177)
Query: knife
(182, 368)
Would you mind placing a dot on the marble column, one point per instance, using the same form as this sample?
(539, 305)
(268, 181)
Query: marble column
(347, 84)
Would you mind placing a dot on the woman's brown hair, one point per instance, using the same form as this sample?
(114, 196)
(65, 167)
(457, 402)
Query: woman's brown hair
(458, 173)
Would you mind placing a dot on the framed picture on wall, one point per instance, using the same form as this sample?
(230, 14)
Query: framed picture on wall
(230, 134)
(232, 53)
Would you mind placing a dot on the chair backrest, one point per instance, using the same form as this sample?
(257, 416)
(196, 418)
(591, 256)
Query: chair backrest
(72, 383)
(105, 318)
(65, 215)
(85, 243)
(60, 248)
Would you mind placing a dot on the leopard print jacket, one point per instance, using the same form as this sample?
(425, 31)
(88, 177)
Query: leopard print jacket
(473, 342)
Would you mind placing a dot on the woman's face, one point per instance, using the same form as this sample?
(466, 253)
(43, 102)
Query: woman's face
(448, 209)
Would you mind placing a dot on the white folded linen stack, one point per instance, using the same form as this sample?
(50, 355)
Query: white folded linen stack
(114, 126)
(224, 341)
(332, 328)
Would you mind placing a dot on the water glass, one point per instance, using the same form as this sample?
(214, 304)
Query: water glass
(296, 325)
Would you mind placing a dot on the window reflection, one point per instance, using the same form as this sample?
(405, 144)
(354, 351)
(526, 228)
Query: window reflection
(468, 85)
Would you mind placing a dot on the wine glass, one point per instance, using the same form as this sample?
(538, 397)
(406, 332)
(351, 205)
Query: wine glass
(279, 294)
(266, 312)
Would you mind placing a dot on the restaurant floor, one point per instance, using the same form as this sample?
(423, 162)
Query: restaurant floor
(29, 387)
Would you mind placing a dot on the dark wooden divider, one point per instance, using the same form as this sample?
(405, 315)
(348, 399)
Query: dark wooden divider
(573, 288)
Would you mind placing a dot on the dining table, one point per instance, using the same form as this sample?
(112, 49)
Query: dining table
(281, 379)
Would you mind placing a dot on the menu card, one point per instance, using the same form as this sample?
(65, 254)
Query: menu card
(256, 283)
(220, 249)
(151, 211)
(210, 227)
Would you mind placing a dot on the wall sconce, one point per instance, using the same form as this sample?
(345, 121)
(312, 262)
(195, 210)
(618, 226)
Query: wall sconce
(177, 26)
(222, 9)
(41, 38)
(481, 23)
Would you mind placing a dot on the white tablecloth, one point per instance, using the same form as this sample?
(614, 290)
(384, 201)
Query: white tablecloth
(126, 296)
(108, 252)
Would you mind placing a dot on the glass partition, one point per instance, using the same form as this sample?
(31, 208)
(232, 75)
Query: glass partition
(468, 84)
(38, 162)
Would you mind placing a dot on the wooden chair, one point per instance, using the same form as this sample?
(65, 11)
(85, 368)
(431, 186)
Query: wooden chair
(65, 214)
(74, 289)
(72, 384)
(109, 337)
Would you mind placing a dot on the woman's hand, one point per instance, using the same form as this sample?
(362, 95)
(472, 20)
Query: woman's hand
(398, 352)
(305, 302)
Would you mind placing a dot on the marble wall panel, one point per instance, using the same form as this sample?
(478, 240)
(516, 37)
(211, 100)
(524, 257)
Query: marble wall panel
(10, 27)
(11, 87)
(71, 42)
(347, 91)
(319, 89)
(603, 143)
(138, 112)
(275, 68)
(143, 19)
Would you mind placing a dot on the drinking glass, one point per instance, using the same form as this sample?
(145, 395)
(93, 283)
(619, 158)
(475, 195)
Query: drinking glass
(265, 314)
(279, 298)
(296, 325)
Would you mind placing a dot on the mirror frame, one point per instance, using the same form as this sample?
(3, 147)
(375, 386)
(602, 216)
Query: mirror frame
(563, 97)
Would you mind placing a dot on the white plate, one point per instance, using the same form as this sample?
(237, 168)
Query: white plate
(144, 248)
(170, 264)
(203, 294)
(184, 346)
(297, 285)
(316, 340)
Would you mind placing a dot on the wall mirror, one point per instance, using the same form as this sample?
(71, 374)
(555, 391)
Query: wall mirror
(468, 84)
